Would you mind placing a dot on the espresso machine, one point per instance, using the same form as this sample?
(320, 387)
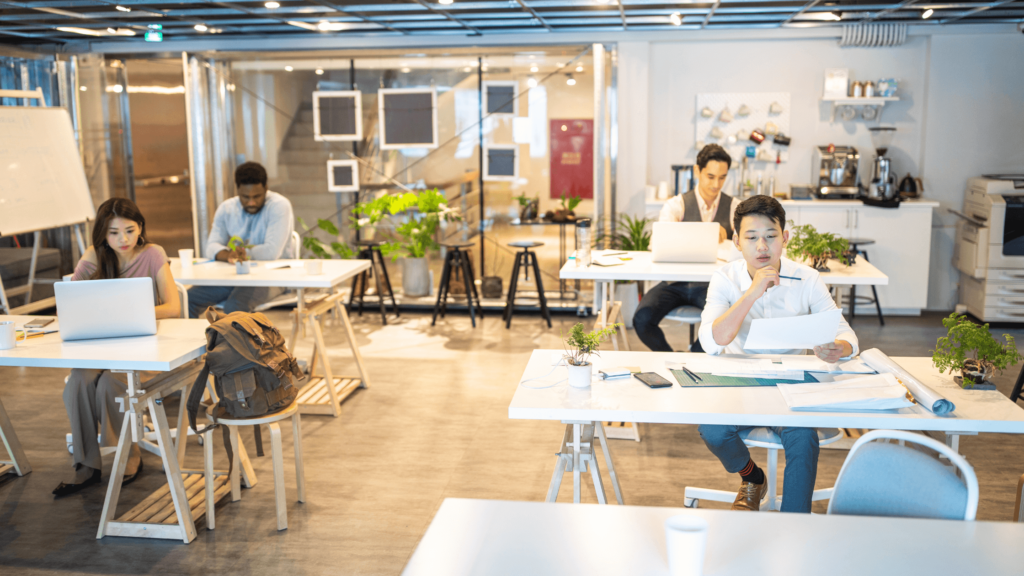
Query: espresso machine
(835, 172)
(883, 180)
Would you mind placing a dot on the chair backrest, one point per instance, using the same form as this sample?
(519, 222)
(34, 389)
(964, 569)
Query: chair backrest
(183, 298)
(296, 245)
(883, 479)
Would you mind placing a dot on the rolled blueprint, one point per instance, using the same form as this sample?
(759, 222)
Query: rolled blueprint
(924, 395)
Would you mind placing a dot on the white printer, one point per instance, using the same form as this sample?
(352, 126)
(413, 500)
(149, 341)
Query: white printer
(990, 248)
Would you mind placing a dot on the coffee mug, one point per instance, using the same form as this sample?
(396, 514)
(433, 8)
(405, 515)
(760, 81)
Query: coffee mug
(8, 335)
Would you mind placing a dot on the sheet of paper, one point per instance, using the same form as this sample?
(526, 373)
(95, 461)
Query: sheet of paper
(742, 367)
(793, 333)
(284, 264)
(607, 261)
(814, 364)
(877, 392)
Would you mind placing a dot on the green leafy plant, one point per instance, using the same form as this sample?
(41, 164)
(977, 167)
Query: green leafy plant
(579, 345)
(321, 249)
(805, 242)
(523, 200)
(570, 203)
(239, 248)
(970, 345)
(632, 234)
(425, 212)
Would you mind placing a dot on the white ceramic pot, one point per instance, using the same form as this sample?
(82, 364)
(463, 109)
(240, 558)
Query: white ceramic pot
(242, 267)
(629, 296)
(415, 277)
(580, 376)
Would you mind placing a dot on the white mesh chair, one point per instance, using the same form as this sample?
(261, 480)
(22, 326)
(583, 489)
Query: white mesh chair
(764, 438)
(884, 479)
(687, 315)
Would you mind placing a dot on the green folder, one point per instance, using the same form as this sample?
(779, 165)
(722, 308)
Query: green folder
(712, 381)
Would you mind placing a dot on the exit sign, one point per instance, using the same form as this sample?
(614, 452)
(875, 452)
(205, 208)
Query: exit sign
(154, 36)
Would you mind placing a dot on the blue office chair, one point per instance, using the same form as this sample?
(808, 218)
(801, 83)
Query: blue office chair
(883, 479)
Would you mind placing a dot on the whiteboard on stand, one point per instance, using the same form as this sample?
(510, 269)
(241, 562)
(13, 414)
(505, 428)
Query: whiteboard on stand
(42, 182)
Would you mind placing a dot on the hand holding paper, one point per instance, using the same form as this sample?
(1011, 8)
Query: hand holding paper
(793, 333)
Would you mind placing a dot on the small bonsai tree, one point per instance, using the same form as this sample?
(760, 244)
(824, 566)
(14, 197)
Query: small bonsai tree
(579, 345)
(239, 249)
(805, 242)
(973, 350)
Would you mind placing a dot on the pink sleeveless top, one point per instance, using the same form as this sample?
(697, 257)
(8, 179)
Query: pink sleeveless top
(147, 264)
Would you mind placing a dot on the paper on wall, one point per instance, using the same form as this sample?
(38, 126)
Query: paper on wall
(794, 332)
(877, 392)
(925, 396)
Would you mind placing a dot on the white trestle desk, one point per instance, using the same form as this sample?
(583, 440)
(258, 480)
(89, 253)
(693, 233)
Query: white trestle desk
(629, 400)
(640, 267)
(176, 351)
(316, 397)
(496, 538)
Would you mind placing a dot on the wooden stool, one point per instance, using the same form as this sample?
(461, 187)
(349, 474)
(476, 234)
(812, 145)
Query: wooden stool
(277, 453)
(854, 246)
(525, 259)
(457, 261)
(371, 251)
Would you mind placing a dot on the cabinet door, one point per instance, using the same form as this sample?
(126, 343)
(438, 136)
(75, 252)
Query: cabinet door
(824, 219)
(902, 251)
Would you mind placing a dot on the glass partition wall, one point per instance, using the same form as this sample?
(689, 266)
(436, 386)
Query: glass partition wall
(536, 121)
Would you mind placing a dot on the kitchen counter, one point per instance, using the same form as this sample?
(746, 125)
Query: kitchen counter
(657, 204)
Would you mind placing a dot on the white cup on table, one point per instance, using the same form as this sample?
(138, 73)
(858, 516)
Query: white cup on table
(8, 335)
(185, 255)
(686, 537)
(314, 266)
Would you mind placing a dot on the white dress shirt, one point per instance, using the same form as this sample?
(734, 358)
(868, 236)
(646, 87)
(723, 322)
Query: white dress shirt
(809, 295)
(674, 209)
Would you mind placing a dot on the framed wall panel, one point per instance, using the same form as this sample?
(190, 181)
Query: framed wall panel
(501, 162)
(343, 176)
(337, 115)
(500, 97)
(408, 118)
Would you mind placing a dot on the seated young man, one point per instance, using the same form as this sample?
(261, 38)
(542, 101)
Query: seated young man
(765, 285)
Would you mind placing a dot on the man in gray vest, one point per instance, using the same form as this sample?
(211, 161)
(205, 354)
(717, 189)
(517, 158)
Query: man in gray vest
(705, 204)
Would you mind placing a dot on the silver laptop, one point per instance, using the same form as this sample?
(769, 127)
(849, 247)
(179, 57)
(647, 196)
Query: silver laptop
(105, 308)
(692, 242)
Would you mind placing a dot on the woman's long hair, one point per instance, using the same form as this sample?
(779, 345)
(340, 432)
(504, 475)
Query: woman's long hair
(107, 264)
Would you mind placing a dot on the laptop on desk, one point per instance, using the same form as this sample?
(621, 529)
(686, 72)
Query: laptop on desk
(691, 242)
(117, 308)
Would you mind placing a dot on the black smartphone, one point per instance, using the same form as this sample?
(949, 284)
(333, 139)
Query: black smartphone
(653, 379)
(38, 322)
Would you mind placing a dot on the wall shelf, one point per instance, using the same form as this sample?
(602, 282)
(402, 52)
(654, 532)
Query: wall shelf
(875, 101)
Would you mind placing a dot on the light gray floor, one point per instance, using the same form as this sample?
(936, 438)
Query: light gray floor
(433, 425)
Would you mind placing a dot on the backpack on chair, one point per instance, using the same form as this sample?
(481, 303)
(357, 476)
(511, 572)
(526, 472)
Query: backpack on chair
(253, 372)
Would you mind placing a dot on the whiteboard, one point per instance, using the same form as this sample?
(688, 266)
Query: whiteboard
(42, 182)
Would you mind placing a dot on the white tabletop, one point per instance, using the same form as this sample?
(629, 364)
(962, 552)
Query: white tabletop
(176, 342)
(223, 274)
(642, 268)
(494, 537)
(629, 400)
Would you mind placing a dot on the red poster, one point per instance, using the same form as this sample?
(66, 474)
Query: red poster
(572, 158)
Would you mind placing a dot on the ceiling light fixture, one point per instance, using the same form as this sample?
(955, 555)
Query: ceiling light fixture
(534, 68)
(466, 69)
(288, 68)
(445, 2)
(406, 70)
(83, 31)
(272, 5)
(834, 16)
(201, 27)
(116, 88)
(570, 81)
(579, 68)
(319, 71)
(531, 82)
(602, 1)
(927, 13)
(303, 25)
(82, 88)
(123, 8)
(676, 19)
(559, 64)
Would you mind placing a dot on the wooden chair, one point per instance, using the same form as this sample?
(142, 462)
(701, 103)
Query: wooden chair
(237, 451)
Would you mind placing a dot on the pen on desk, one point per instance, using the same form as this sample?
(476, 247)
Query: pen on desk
(693, 375)
(689, 375)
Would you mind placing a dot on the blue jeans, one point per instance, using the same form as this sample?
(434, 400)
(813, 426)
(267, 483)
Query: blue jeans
(801, 445)
(235, 299)
(658, 302)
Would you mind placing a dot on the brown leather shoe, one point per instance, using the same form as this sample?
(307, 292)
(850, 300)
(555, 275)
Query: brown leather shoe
(749, 496)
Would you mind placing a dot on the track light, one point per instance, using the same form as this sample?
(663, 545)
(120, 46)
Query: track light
(201, 27)
(833, 16)
(570, 81)
(272, 5)
(319, 71)
(676, 19)
(446, 2)
(406, 70)
(579, 68)
(534, 68)
(927, 13)
(288, 68)
(123, 8)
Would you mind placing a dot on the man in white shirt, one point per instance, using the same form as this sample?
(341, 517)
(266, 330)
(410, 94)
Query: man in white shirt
(765, 285)
(705, 204)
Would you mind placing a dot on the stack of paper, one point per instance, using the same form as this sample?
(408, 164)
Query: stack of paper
(794, 332)
(815, 364)
(878, 392)
(744, 368)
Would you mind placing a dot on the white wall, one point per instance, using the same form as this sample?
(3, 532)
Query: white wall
(961, 112)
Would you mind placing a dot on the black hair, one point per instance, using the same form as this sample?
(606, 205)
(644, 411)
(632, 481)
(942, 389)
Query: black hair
(107, 265)
(713, 152)
(251, 173)
(760, 206)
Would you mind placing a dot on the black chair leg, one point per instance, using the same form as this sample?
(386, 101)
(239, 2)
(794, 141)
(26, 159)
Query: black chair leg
(1017, 387)
(441, 289)
(853, 302)
(468, 280)
(540, 289)
(387, 282)
(690, 343)
(513, 283)
(380, 292)
(874, 292)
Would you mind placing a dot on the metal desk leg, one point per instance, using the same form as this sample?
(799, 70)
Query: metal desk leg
(18, 463)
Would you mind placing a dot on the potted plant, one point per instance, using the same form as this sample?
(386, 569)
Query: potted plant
(418, 233)
(240, 254)
(528, 208)
(631, 234)
(566, 212)
(806, 243)
(973, 351)
(579, 346)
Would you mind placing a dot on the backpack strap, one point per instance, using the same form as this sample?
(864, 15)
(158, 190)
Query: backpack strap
(195, 398)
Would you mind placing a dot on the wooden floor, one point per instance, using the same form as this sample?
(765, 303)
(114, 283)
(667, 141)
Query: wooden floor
(433, 425)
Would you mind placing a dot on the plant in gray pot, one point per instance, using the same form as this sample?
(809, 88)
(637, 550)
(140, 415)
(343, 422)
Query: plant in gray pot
(973, 351)
(240, 254)
(579, 346)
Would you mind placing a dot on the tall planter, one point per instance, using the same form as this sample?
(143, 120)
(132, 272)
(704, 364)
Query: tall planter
(415, 277)
(628, 294)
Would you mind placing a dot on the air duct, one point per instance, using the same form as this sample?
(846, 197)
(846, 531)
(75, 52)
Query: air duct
(873, 35)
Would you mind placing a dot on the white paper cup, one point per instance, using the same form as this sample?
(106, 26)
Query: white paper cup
(186, 255)
(314, 266)
(685, 539)
(7, 335)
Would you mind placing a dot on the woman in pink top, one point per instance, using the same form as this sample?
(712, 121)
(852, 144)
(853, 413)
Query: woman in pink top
(119, 250)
